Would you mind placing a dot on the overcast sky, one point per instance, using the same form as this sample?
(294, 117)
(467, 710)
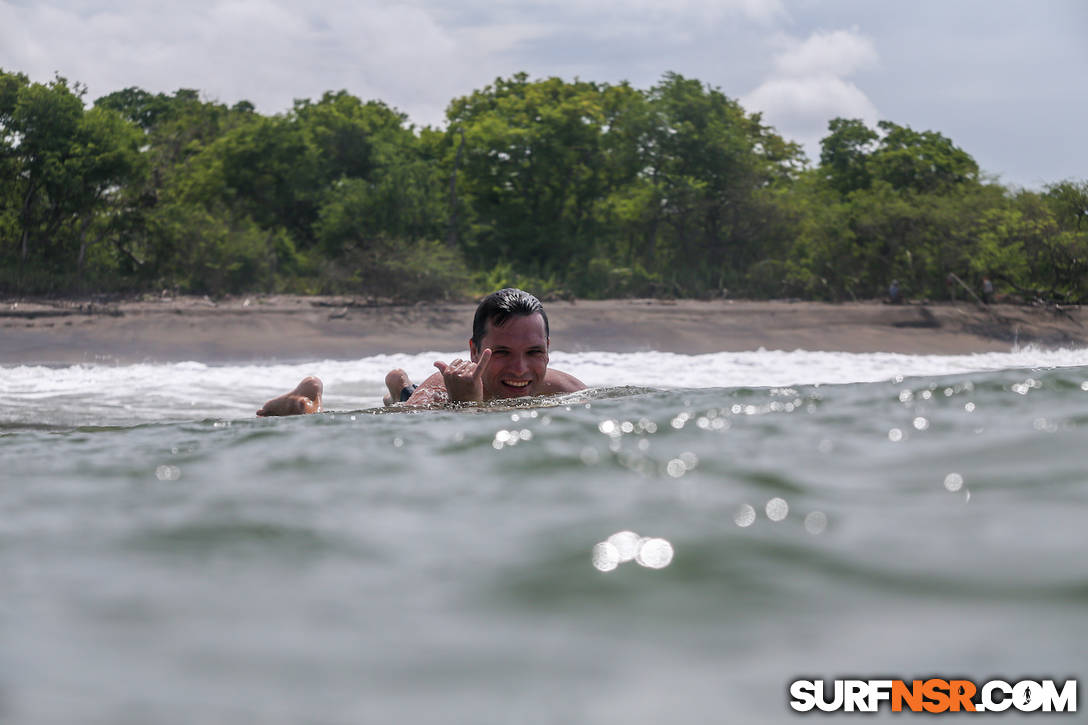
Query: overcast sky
(1007, 80)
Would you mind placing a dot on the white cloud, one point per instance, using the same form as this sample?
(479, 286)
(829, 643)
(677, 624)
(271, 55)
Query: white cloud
(801, 107)
(266, 51)
(809, 86)
(799, 100)
(415, 55)
(760, 11)
(839, 53)
(980, 83)
(650, 14)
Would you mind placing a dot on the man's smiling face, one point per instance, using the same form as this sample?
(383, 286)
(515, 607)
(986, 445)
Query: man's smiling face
(519, 356)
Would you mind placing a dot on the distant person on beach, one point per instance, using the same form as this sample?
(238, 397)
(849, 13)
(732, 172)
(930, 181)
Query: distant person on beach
(893, 292)
(508, 358)
(987, 290)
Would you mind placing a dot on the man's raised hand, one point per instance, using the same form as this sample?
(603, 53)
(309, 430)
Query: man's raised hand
(464, 378)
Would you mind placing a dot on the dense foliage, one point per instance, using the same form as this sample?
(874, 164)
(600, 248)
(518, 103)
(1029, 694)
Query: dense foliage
(579, 188)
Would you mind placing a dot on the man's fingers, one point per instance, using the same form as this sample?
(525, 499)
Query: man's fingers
(452, 367)
(482, 363)
(464, 369)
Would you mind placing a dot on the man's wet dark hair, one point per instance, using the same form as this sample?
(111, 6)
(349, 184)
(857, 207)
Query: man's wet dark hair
(497, 308)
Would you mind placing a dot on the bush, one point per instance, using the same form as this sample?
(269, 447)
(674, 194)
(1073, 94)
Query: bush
(602, 278)
(215, 252)
(396, 269)
(504, 275)
(776, 278)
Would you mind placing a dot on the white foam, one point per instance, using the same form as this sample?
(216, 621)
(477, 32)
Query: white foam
(148, 392)
(771, 368)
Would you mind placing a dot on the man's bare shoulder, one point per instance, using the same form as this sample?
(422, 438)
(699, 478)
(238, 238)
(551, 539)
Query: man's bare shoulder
(431, 391)
(557, 381)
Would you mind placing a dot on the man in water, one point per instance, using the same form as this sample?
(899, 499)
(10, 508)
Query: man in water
(508, 358)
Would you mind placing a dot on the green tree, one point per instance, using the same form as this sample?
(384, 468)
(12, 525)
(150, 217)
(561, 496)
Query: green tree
(66, 164)
(1038, 246)
(844, 154)
(376, 175)
(711, 170)
(853, 156)
(923, 161)
(531, 170)
(178, 130)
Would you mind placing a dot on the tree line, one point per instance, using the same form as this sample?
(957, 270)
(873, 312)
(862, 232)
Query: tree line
(562, 187)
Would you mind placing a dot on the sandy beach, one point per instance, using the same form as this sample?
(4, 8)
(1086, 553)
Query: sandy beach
(295, 329)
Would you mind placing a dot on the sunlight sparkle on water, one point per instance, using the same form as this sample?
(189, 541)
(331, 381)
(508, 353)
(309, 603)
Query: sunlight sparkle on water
(626, 543)
(590, 456)
(777, 509)
(744, 516)
(816, 522)
(895, 435)
(510, 438)
(921, 423)
(1026, 386)
(622, 546)
(605, 556)
(167, 473)
(953, 482)
(714, 422)
(1044, 426)
(654, 553)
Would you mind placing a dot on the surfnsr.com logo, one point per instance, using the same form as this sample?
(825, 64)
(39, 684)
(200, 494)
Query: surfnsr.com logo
(933, 695)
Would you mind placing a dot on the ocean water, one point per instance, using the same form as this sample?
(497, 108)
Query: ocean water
(166, 557)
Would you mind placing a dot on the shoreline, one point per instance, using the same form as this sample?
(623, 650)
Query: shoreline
(288, 328)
